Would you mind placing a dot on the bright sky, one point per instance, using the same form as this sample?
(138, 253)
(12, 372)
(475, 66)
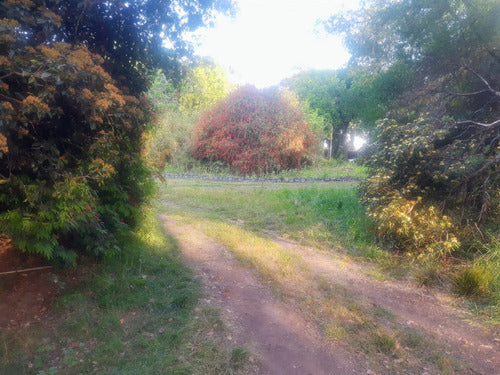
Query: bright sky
(269, 40)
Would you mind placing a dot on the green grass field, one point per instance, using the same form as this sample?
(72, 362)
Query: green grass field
(324, 214)
(247, 217)
(321, 169)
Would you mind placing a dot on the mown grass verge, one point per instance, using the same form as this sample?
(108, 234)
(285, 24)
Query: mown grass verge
(137, 313)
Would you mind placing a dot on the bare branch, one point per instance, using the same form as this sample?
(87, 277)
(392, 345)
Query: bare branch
(468, 93)
(486, 165)
(25, 270)
(485, 125)
(486, 83)
(11, 74)
(8, 98)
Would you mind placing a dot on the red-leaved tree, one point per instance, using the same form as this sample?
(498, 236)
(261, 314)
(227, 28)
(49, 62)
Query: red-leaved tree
(254, 132)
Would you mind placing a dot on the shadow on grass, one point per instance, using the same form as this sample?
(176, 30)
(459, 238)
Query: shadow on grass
(134, 314)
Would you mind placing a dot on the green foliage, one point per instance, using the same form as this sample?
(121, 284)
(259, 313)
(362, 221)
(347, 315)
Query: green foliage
(434, 166)
(341, 97)
(424, 193)
(178, 109)
(420, 230)
(325, 215)
(136, 313)
(202, 87)
(436, 33)
(129, 35)
(254, 132)
(70, 163)
(481, 278)
(170, 142)
(71, 135)
(474, 281)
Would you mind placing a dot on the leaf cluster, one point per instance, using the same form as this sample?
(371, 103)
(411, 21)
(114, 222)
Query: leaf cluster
(435, 162)
(134, 37)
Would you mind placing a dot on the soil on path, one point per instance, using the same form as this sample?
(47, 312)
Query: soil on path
(24, 296)
(287, 344)
(283, 341)
(418, 308)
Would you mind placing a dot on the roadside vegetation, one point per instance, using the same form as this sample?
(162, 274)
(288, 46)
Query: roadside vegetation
(331, 217)
(255, 221)
(135, 313)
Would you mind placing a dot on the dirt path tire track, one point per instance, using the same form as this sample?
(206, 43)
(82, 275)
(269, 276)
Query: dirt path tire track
(411, 306)
(283, 341)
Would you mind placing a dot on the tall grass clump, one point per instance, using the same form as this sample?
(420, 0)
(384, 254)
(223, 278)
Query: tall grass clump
(481, 278)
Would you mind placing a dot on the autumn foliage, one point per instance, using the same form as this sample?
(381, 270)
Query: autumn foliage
(71, 175)
(254, 132)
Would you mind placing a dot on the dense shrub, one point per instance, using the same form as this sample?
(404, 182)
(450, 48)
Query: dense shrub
(254, 132)
(435, 181)
(71, 173)
(433, 185)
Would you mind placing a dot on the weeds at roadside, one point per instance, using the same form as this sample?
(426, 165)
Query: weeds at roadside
(480, 282)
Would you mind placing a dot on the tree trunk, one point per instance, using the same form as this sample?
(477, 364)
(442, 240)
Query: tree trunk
(337, 140)
(330, 145)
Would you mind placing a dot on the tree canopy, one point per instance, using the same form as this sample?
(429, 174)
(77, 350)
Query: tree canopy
(71, 118)
(133, 37)
(179, 107)
(353, 94)
(437, 154)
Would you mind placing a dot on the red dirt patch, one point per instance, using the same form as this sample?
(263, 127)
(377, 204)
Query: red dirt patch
(24, 296)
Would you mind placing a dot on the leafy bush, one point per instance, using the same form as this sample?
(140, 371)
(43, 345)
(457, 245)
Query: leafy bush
(428, 191)
(254, 132)
(435, 181)
(419, 229)
(71, 173)
(170, 141)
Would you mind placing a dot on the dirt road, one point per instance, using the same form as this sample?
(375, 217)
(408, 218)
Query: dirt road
(286, 341)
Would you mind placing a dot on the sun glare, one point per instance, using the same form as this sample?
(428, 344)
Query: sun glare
(269, 40)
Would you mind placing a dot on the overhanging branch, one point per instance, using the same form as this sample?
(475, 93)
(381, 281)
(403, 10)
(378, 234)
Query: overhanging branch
(493, 124)
(486, 83)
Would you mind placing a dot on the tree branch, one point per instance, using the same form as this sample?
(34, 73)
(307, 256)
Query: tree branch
(468, 93)
(486, 83)
(486, 165)
(8, 98)
(493, 124)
